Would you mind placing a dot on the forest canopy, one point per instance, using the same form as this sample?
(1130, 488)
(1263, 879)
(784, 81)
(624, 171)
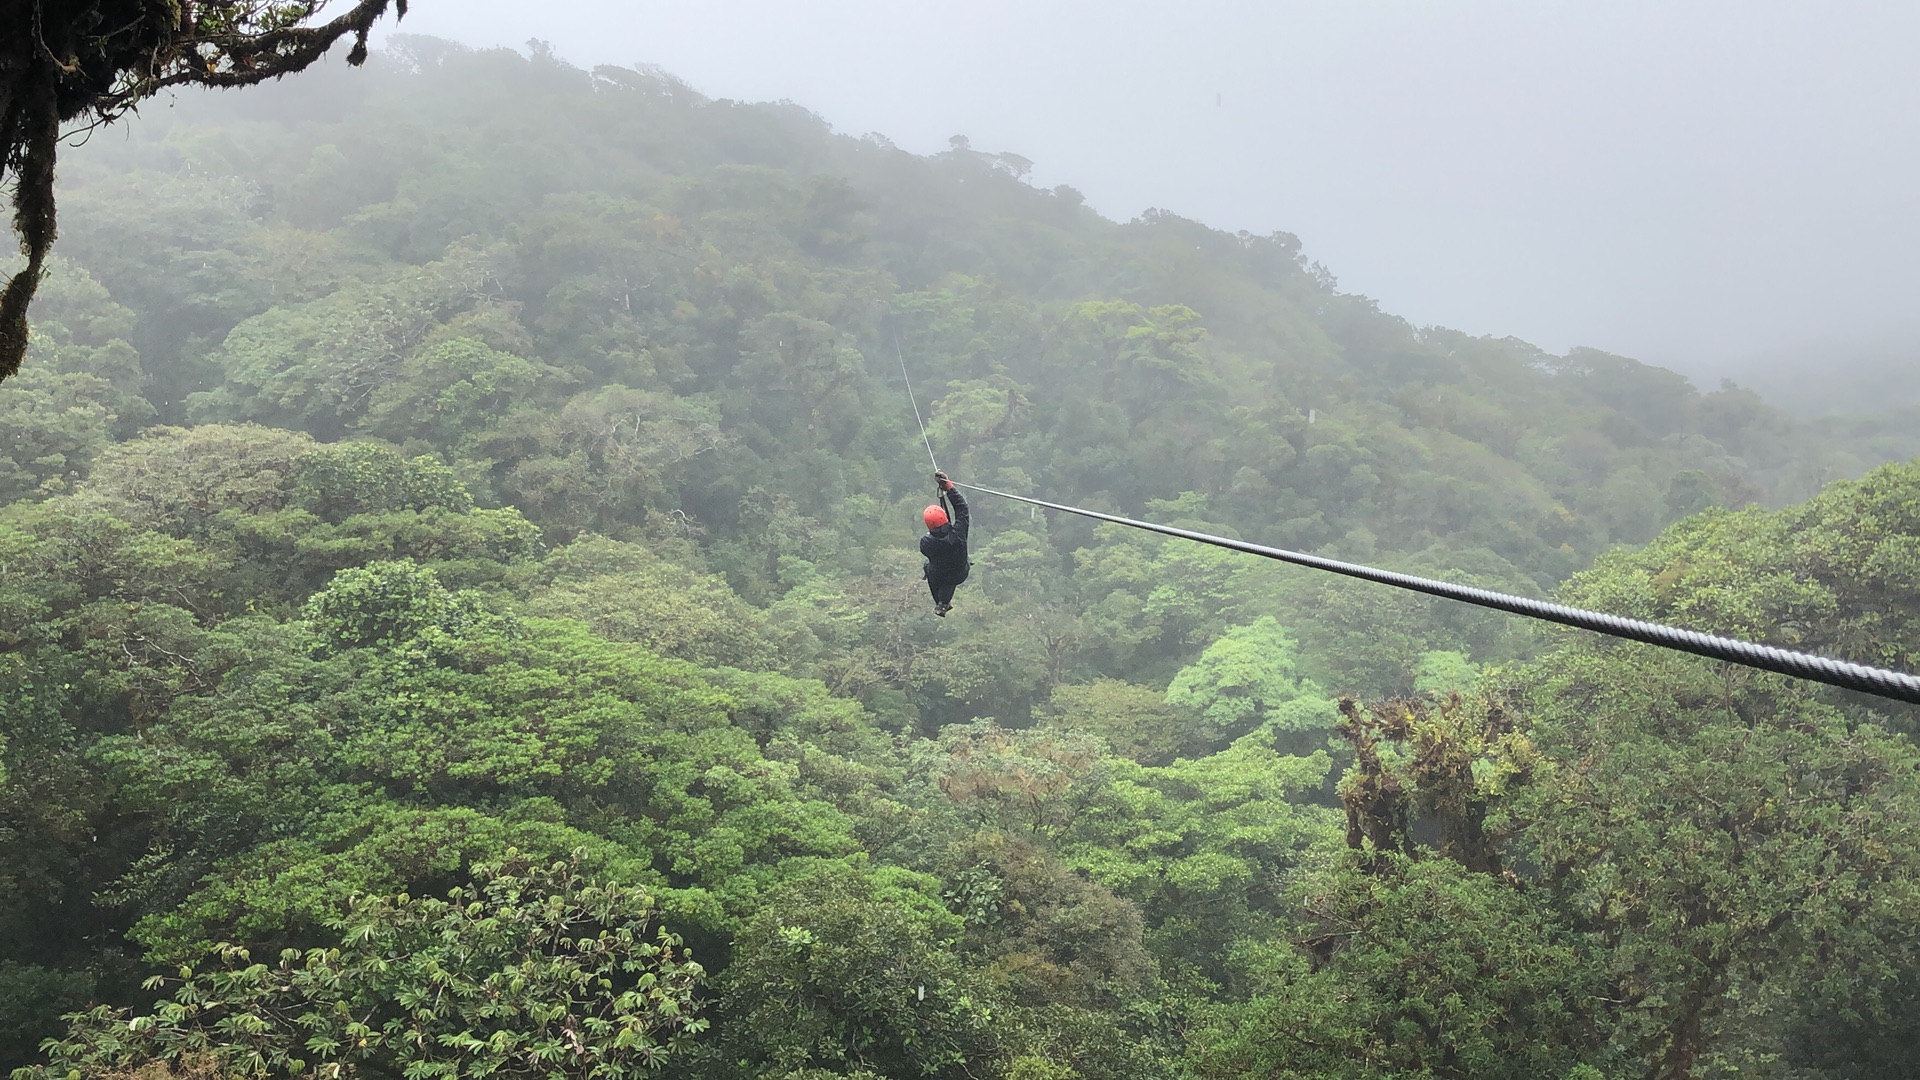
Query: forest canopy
(459, 615)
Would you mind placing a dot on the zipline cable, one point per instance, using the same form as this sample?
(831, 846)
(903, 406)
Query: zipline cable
(916, 405)
(1879, 682)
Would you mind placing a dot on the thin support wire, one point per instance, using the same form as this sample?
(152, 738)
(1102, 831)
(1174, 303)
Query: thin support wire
(916, 405)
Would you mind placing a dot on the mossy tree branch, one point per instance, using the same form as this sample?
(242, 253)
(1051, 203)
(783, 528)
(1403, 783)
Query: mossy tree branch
(93, 61)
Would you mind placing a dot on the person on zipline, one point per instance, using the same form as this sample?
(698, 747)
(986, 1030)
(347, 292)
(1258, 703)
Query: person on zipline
(945, 546)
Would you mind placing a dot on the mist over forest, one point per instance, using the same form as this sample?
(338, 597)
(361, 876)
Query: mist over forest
(1691, 185)
(460, 615)
(1842, 379)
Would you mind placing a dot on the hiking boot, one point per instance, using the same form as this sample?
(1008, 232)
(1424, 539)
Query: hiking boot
(942, 609)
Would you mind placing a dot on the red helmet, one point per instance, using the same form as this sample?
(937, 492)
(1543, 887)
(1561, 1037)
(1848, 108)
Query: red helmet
(934, 517)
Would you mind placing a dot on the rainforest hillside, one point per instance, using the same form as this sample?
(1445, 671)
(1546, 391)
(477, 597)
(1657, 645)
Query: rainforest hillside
(459, 525)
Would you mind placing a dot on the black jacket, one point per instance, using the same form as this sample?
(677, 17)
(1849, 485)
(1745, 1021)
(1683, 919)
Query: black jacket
(946, 546)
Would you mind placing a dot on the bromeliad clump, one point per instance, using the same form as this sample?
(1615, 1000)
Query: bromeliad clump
(1446, 766)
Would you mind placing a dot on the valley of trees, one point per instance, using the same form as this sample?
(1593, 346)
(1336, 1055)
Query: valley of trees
(459, 616)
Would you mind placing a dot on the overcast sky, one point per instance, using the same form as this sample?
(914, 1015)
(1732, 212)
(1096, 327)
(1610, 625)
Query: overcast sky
(1692, 182)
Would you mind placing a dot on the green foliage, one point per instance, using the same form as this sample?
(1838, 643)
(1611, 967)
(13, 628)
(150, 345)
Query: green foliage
(1038, 781)
(339, 482)
(1453, 767)
(1414, 970)
(80, 67)
(1721, 834)
(1134, 721)
(627, 592)
(448, 392)
(389, 605)
(321, 365)
(853, 971)
(605, 458)
(531, 972)
(81, 387)
(1247, 679)
(1052, 936)
(1368, 637)
(1196, 843)
(179, 480)
(1444, 672)
(408, 732)
(32, 1000)
(53, 426)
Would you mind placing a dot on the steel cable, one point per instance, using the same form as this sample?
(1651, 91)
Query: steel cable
(1879, 682)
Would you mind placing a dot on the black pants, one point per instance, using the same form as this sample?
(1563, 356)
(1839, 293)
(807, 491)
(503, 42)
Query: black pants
(943, 584)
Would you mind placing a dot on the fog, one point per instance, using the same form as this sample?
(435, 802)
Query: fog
(1715, 186)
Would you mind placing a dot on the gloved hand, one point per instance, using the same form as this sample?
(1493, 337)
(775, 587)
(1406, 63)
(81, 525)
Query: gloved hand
(940, 479)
